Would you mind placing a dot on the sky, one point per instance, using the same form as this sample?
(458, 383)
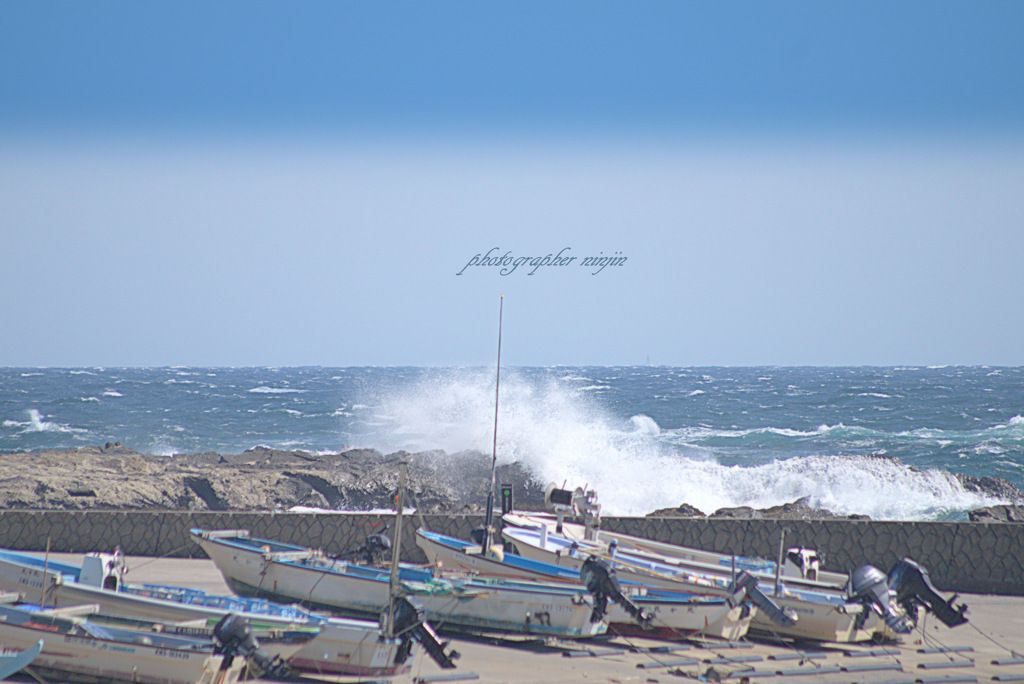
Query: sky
(711, 183)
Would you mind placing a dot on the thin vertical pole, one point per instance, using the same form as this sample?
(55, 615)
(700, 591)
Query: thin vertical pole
(778, 565)
(394, 588)
(46, 572)
(489, 519)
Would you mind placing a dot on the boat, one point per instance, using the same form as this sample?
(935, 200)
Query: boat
(13, 661)
(75, 649)
(670, 615)
(895, 598)
(255, 567)
(799, 565)
(822, 616)
(341, 646)
(289, 573)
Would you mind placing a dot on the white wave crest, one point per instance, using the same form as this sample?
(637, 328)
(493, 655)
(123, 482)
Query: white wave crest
(563, 435)
(263, 389)
(697, 434)
(36, 423)
(645, 425)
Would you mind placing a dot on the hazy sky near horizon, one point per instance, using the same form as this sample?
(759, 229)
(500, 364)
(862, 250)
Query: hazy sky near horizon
(269, 183)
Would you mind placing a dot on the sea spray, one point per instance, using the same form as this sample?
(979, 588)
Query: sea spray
(876, 441)
(564, 435)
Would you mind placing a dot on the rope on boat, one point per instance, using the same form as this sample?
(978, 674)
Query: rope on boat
(30, 671)
(1015, 654)
(309, 596)
(943, 648)
(700, 641)
(419, 511)
(166, 555)
(646, 652)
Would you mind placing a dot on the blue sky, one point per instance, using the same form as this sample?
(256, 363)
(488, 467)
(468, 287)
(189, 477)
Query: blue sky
(299, 183)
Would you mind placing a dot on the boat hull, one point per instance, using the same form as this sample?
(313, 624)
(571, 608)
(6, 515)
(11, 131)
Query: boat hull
(83, 658)
(12, 662)
(672, 619)
(318, 582)
(828, 619)
(695, 560)
(352, 647)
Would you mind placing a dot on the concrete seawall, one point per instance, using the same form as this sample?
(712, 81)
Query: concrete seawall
(983, 558)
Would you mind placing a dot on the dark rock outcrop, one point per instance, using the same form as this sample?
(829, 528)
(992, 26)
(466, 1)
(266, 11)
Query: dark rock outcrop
(996, 487)
(1011, 514)
(115, 477)
(737, 512)
(683, 510)
(800, 509)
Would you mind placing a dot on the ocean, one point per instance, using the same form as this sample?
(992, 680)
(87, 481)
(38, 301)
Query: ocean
(643, 437)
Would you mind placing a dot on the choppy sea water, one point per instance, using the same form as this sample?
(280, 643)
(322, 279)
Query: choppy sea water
(643, 437)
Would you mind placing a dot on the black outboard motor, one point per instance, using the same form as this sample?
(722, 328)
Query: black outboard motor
(411, 625)
(477, 535)
(870, 587)
(375, 549)
(601, 581)
(232, 636)
(914, 588)
(745, 586)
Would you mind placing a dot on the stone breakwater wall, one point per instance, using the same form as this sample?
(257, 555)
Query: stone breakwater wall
(983, 558)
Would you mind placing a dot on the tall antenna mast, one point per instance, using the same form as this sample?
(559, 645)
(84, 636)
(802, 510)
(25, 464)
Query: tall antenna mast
(489, 520)
(394, 587)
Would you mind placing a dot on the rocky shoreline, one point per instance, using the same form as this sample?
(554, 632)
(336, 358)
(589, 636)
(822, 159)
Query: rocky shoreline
(113, 477)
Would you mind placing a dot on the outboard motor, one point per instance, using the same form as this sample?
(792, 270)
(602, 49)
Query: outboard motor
(745, 586)
(411, 625)
(375, 548)
(233, 636)
(106, 570)
(601, 581)
(800, 562)
(914, 588)
(479, 536)
(870, 587)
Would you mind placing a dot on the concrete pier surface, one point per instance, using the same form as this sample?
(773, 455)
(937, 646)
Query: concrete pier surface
(976, 652)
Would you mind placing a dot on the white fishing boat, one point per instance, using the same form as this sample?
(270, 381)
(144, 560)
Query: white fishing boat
(284, 572)
(819, 615)
(13, 661)
(796, 577)
(799, 565)
(329, 646)
(670, 616)
(77, 650)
